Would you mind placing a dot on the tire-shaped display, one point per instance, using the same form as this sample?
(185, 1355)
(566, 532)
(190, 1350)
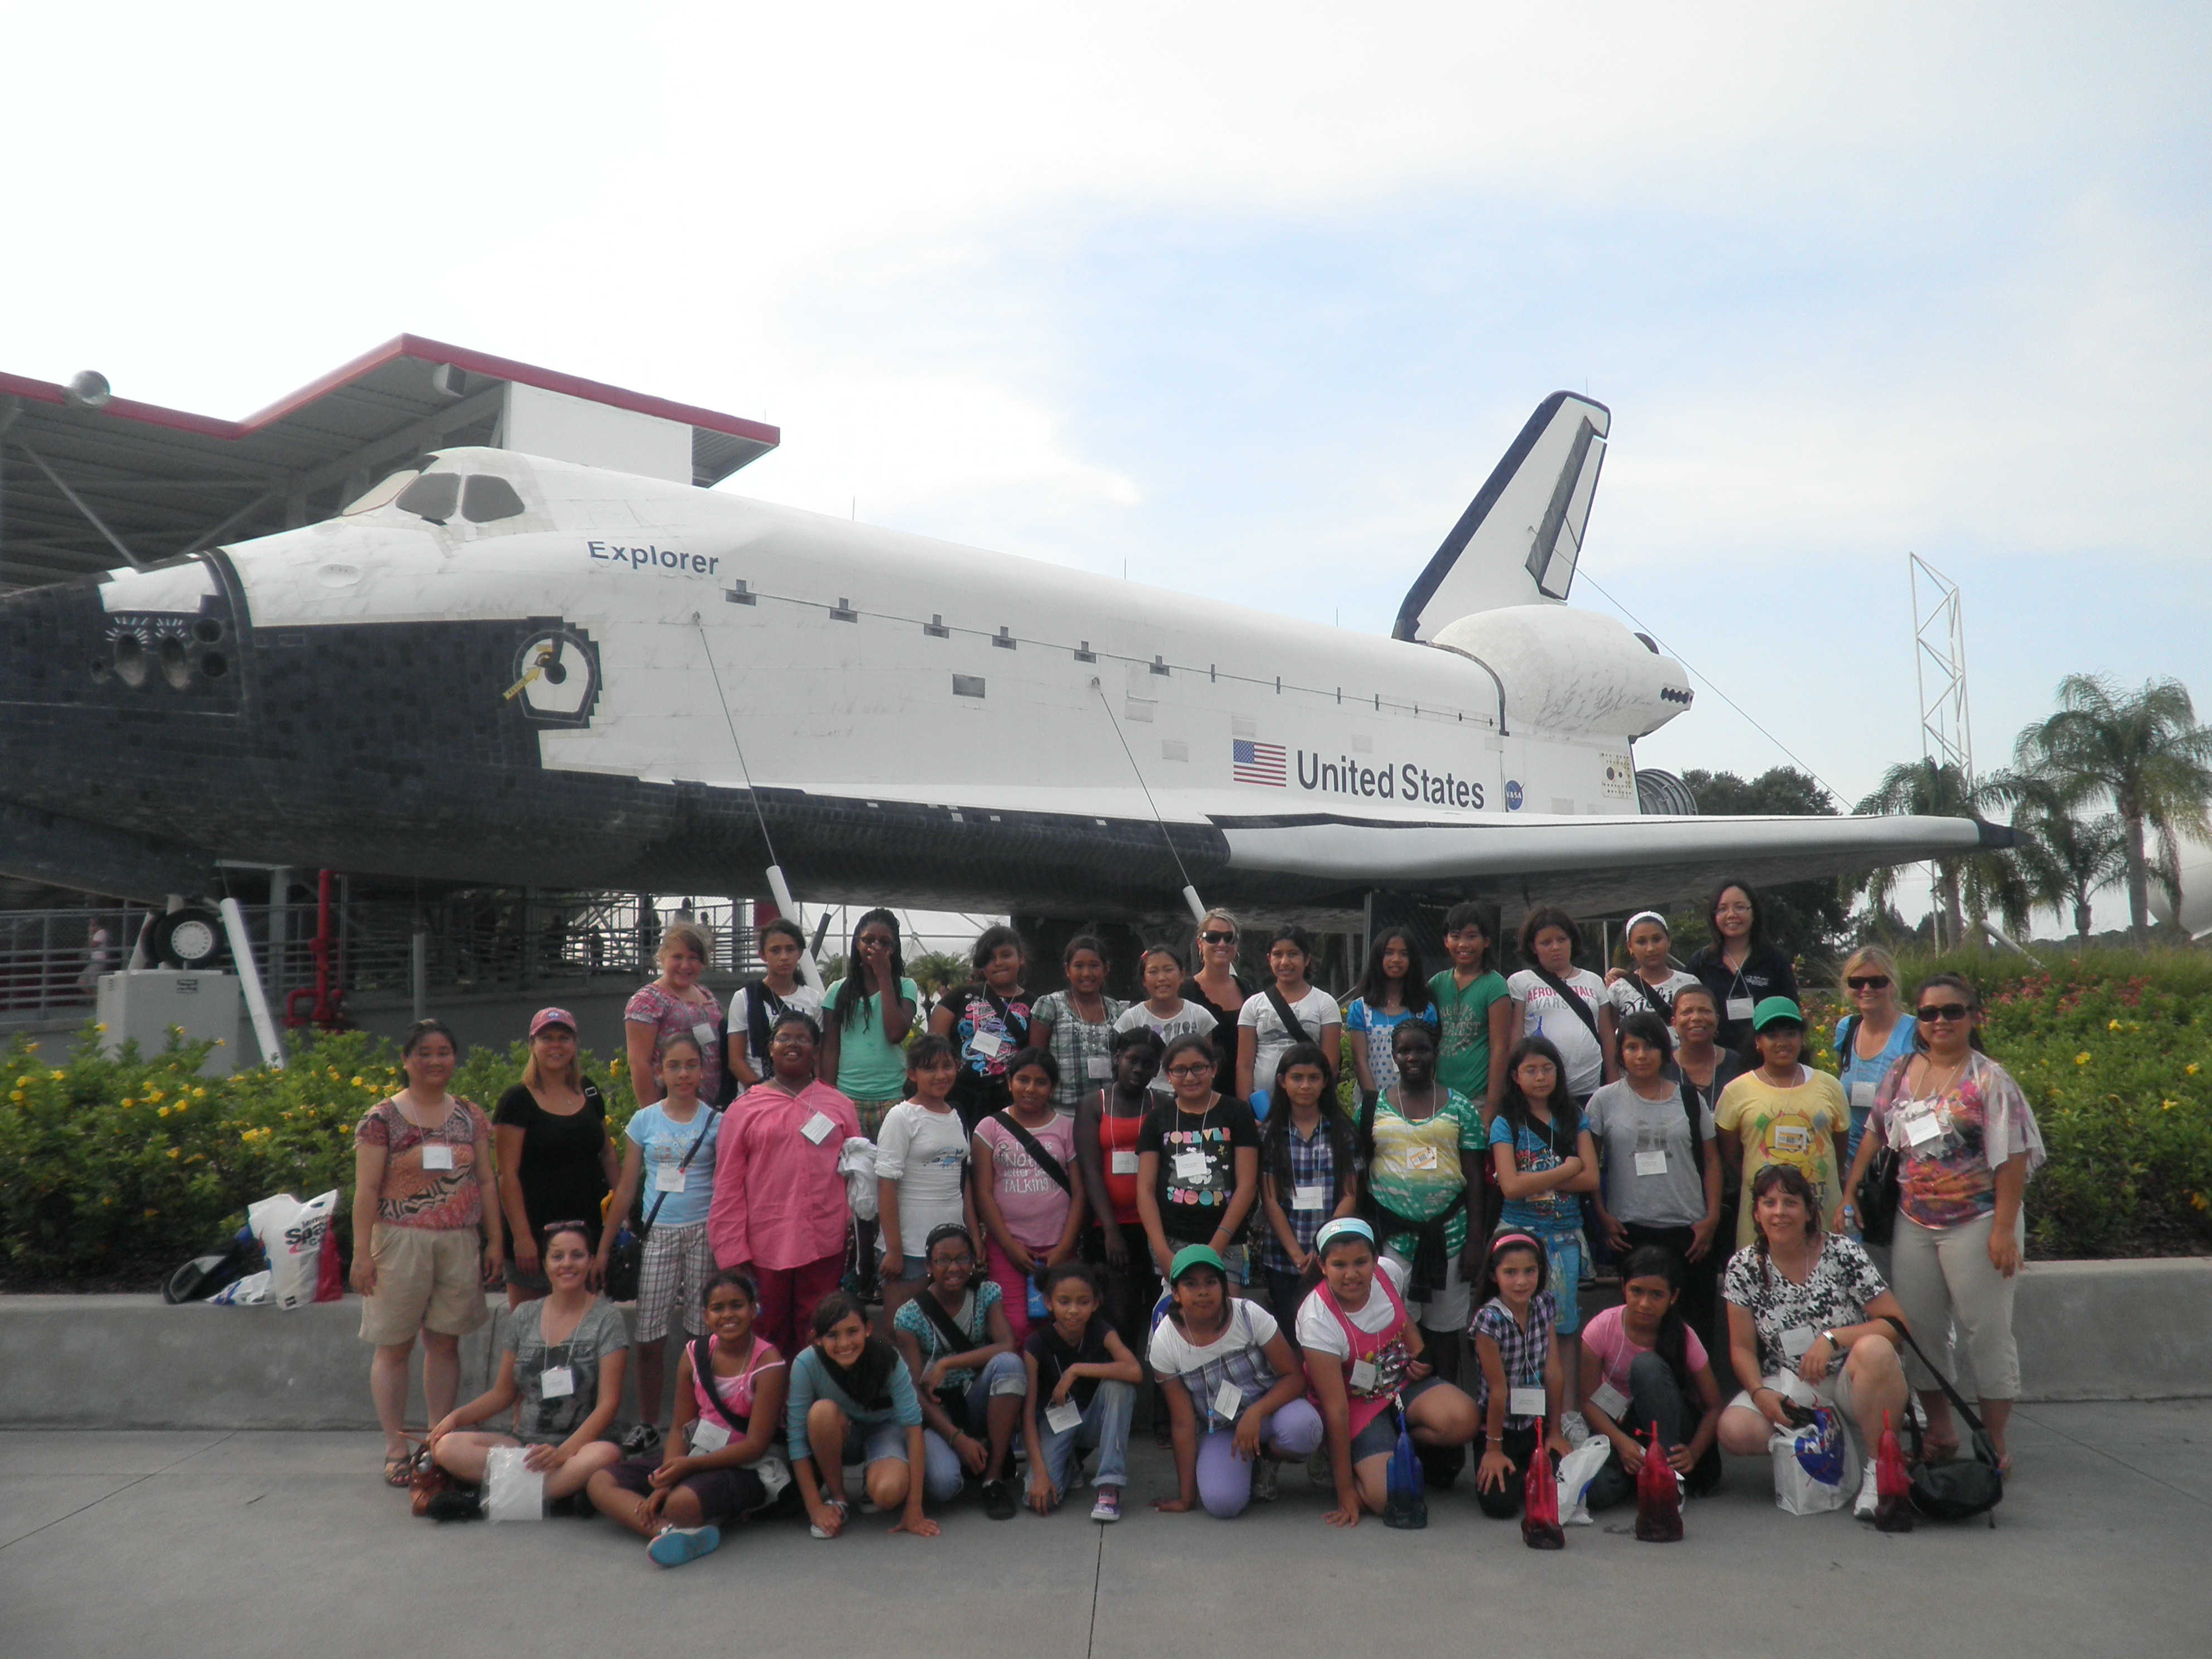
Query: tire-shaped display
(190, 938)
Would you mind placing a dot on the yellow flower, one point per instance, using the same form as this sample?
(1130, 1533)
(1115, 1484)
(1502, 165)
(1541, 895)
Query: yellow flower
(63, 1077)
(127, 1101)
(2166, 1105)
(22, 1083)
(164, 1112)
(172, 1151)
(199, 1094)
(2082, 1059)
(2112, 1025)
(150, 1214)
(358, 1083)
(2189, 1070)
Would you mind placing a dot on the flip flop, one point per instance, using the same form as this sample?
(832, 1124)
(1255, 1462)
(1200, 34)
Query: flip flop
(399, 1471)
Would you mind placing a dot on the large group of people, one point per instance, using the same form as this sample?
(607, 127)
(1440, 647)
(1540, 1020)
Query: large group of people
(1082, 1207)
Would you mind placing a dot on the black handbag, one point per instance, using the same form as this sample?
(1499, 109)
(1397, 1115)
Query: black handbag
(1875, 1197)
(1965, 1486)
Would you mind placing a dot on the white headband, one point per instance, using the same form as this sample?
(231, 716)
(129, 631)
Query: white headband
(1646, 915)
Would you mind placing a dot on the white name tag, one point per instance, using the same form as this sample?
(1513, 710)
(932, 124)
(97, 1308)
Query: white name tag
(670, 1178)
(1651, 1163)
(817, 1127)
(1796, 1339)
(1863, 1097)
(704, 1035)
(1362, 1377)
(1099, 1068)
(986, 1043)
(1228, 1401)
(1310, 1198)
(437, 1156)
(1063, 1417)
(1124, 1162)
(1739, 1008)
(1192, 1166)
(1525, 1402)
(558, 1383)
(1920, 1124)
(1420, 1158)
(1790, 1137)
(1609, 1400)
(708, 1435)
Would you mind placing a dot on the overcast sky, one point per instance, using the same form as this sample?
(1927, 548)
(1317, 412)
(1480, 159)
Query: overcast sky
(1251, 297)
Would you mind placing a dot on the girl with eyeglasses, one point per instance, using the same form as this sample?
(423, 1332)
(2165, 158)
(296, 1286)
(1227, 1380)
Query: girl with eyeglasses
(1966, 1140)
(1198, 1163)
(1740, 965)
(1872, 1037)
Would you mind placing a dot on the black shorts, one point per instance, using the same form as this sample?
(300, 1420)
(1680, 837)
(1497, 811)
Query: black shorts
(722, 1494)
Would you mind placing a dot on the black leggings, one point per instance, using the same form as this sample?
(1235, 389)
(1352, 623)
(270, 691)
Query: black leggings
(1655, 1398)
(1519, 1445)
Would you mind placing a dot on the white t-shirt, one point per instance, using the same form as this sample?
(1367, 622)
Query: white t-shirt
(1191, 1020)
(1174, 1354)
(1317, 1328)
(1314, 1009)
(1627, 1000)
(927, 1153)
(1544, 1015)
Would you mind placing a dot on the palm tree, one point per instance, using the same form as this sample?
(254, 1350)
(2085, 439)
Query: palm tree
(2146, 752)
(2066, 860)
(1969, 885)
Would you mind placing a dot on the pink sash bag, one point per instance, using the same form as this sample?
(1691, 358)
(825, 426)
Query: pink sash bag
(1385, 1350)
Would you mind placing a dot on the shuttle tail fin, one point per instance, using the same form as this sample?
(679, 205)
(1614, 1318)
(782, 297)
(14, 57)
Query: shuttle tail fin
(1519, 539)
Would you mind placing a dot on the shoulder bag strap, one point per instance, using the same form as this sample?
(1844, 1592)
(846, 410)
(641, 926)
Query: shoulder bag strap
(1958, 1401)
(1044, 1159)
(703, 1374)
(947, 1330)
(1291, 1021)
(1658, 1001)
(1690, 1103)
(1847, 1043)
(1021, 1027)
(1568, 995)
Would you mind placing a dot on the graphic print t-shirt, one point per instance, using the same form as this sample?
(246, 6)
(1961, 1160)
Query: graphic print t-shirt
(1192, 1206)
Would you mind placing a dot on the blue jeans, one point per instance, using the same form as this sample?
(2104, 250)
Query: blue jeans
(1105, 1426)
(942, 1469)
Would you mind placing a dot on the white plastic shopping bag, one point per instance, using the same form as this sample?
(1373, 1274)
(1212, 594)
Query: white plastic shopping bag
(512, 1492)
(291, 1235)
(250, 1292)
(856, 1162)
(1577, 1470)
(1816, 1468)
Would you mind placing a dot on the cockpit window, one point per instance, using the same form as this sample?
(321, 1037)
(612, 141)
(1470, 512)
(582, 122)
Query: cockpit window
(488, 497)
(383, 494)
(432, 497)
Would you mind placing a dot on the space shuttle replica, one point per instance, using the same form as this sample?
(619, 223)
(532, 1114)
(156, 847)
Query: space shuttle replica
(493, 667)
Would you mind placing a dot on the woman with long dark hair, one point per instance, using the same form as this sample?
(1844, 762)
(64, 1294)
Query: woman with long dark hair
(1391, 991)
(865, 1017)
(1740, 967)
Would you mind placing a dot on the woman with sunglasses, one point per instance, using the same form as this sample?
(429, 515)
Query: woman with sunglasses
(1966, 1142)
(1871, 1038)
(1217, 988)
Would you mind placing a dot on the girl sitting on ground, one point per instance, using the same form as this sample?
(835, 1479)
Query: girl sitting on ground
(1644, 1367)
(851, 1390)
(1082, 1386)
(1234, 1389)
(559, 1370)
(724, 1457)
(1517, 1390)
(956, 1341)
(1363, 1350)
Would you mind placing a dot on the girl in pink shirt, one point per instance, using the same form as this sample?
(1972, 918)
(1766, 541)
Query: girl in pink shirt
(1026, 1196)
(780, 1213)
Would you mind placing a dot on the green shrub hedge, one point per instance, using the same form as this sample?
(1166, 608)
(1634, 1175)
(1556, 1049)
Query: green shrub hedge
(113, 1170)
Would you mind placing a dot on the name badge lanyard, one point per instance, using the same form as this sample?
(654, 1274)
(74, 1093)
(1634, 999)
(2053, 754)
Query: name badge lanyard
(1199, 1150)
(660, 1196)
(437, 1151)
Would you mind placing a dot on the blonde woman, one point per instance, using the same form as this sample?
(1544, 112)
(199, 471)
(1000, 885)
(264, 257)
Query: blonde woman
(1217, 988)
(555, 1158)
(1873, 1036)
(676, 1002)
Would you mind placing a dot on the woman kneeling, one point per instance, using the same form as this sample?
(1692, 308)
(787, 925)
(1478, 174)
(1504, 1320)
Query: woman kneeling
(1361, 1350)
(730, 1385)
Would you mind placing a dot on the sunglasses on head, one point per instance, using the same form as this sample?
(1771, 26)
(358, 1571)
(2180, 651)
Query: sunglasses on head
(1932, 1011)
(1215, 937)
(1868, 982)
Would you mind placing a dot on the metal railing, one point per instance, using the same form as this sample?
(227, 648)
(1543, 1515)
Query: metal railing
(486, 940)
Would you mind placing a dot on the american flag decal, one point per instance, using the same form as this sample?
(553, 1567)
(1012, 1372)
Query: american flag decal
(1258, 763)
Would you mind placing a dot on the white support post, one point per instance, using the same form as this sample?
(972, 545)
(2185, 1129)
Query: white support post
(249, 981)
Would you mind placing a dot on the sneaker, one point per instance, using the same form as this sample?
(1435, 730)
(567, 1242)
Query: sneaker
(999, 1500)
(455, 1503)
(1107, 1506)
(1266, 1475)
(642, 1441)
(1572, 1426)
(1318, 1471)
(834, 1503)
(1863, 1506)
(674, 1546)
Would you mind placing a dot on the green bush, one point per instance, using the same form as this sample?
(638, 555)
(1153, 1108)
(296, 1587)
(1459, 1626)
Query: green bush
(114, 1170)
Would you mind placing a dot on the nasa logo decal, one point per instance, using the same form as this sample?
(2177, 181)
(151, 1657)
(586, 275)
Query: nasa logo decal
(557, 677)
(1512, 795)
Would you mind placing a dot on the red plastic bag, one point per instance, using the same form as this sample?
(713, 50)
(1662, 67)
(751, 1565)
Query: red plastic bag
(1658, 1497)
(1539, 1503)
(330, 1282)
(1893, 1488)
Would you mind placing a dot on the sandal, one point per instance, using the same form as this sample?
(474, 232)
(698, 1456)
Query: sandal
(400, 1470)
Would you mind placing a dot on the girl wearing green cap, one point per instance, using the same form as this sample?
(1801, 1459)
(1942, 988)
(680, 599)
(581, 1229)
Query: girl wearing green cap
(1783, 1113)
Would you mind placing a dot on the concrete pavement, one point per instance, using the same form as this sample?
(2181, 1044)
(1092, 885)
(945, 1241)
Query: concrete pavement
(244, 1544)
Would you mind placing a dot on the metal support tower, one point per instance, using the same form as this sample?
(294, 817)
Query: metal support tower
(1939, 668)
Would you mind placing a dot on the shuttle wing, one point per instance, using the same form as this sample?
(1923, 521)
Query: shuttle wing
(1594, 864)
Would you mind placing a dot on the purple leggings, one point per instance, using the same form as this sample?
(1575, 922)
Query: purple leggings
(1225, 1480)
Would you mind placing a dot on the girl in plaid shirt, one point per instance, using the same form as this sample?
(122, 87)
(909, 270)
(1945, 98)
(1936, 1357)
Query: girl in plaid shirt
(1308, 1171)
(1517, 1392)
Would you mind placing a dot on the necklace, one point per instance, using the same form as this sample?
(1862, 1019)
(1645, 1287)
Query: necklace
(1428, 1099)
